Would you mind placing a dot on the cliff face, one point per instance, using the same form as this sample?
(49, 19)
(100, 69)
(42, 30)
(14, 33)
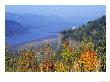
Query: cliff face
(72, 43)
(60, 37)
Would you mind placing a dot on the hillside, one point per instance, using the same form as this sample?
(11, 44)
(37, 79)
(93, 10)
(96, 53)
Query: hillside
(94, 30)
(30, 21)
(92, 33)
(14, 28)
(81, 49)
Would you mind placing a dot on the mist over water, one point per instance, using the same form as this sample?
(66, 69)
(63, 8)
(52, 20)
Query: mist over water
(36, 34)
(72, 15)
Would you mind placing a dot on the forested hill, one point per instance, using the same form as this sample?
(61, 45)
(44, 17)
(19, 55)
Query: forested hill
(95, 29)
(89, 56)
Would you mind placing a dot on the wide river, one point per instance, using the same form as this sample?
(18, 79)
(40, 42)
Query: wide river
(35, 34)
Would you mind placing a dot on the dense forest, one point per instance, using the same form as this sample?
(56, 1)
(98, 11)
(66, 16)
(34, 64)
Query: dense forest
(82, 49)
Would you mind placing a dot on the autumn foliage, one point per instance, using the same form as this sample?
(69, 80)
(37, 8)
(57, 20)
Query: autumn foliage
(86, 59)
(87, 62)
(87, 55)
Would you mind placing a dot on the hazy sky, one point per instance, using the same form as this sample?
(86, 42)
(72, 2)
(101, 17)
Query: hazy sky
(59, 10)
